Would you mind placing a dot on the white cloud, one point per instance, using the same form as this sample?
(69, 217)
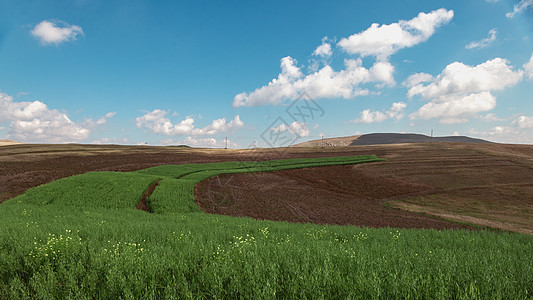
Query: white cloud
(417, 78)
(528, 67)
(454, 109)
(395, 112)
(462, 91)
(110, 141)
(157, 122)
(198, 142)
(484, 42)
(384, 40)
(35, 122)
(219, 125)
(324, 83)
(520, 131)
(524, 122)
(520, 7)
(492, 118)
(324, 50)
(50, 33)
(100, 121)
(456, 78)
(298, 128)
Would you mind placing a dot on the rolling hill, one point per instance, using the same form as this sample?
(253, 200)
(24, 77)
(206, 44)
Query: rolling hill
(9, 142)
(387, 138)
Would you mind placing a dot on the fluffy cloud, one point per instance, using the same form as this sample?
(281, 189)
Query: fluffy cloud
(298, 128)
(417, 78)
(462, 91)
(520, 7)
(50, 33)
(35, 122)
(384, 40)
(524, 122)
(528, 68)
(199, 142)
(395, 112)
(484, 42)
(453, 109)
(324, 83)
(456, 78)
(100, 121)
(157, 122)
(492, 118)
(520, 131)
(324, 50)
(110, 141)
(219, 125)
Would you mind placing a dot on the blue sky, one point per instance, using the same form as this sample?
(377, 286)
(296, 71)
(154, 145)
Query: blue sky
(175, 72)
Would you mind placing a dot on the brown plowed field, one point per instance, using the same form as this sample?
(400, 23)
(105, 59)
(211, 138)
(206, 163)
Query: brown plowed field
(342, 195)
(484, 184)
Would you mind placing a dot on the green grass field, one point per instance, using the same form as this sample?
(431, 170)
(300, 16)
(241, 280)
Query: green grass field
(81, 237)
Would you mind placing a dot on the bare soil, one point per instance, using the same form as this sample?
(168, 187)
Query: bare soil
(341, 195)
(143, 205)
(482, 184)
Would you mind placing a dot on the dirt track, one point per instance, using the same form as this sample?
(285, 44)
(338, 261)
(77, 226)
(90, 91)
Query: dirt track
(485, 184)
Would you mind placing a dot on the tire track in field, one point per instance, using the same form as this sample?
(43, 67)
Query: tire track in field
(142, 205)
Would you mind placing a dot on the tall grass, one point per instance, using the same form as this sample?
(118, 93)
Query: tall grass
(79, 251)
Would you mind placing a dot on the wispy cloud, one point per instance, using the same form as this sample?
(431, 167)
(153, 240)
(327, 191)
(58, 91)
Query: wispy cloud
(520, 7)
(484, 43)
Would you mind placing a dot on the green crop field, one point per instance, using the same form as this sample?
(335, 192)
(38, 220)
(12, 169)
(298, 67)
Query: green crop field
(81, 237)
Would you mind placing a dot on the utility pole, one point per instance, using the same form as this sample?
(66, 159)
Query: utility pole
(322, 140)
(226, 143)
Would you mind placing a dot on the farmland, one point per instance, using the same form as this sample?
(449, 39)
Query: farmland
(58, 241)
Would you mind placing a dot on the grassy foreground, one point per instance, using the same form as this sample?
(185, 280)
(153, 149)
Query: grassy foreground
(81, 237)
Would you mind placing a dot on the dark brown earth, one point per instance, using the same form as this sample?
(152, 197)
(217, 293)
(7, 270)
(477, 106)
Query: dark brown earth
(142, 205)
(341, 195)
(484, 184)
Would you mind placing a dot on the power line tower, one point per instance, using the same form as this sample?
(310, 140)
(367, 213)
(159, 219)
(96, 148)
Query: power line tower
(226, 143)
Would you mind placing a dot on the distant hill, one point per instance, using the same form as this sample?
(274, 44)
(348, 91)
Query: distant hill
(9, 142)
(387, 138)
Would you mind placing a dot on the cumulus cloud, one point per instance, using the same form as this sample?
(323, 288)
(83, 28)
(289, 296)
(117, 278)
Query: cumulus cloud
(492, 118)
(298, 128)
(528, 68)
(524, 122)
(35, 122)
(50, 33)
(417, 78)
(384, 40)
(456, 78)
(462, 91)
(520, 7)
(157, 122)
(100, 121)
(484, 42)
(106, 140)
(324, 83)
(453, 109)
(519, 131)
(324, 50)
(199, 142)
(395, 112)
